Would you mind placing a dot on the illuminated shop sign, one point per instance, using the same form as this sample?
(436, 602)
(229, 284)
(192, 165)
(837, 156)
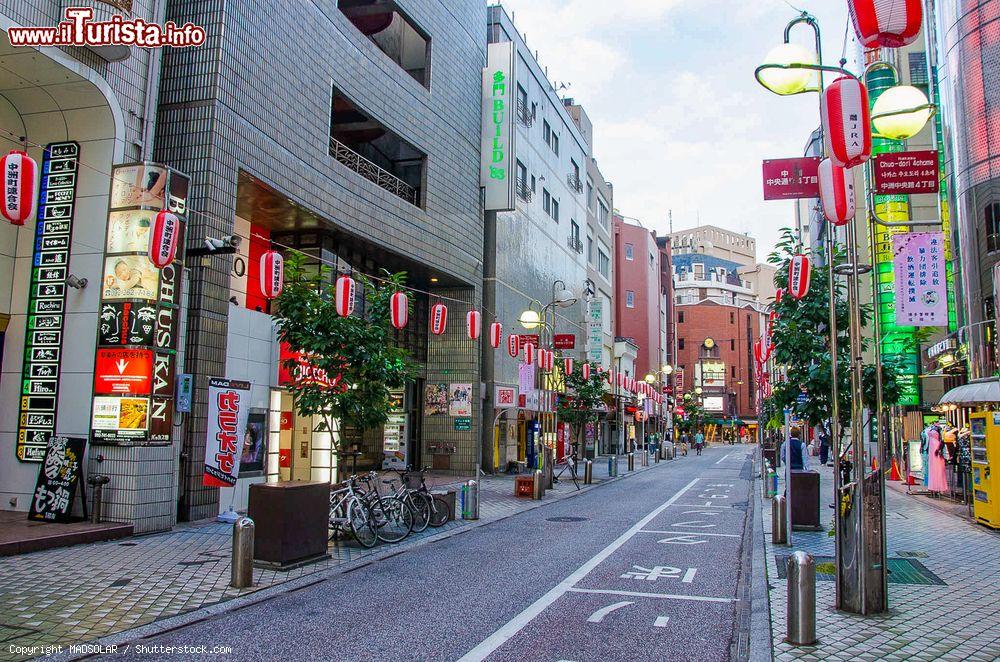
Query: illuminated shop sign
(497, 165)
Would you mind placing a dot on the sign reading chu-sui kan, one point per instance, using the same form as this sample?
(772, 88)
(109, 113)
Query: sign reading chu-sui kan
(134, 380)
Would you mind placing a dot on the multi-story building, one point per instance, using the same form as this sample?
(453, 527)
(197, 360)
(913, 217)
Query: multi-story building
(638, 293)
(343, 145)
(534, 253)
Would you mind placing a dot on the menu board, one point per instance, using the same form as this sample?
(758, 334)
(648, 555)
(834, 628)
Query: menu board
(47, 300)
(58, 479)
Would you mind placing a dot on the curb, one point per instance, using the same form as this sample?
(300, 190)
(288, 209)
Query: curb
(180, 621)
(761, 634)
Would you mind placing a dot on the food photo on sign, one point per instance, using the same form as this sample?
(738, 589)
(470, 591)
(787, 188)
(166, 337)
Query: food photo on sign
(129, 277)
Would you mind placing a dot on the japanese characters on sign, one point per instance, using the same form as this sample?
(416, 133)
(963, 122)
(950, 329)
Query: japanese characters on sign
(564, 341)
(921, 289)
(47, 300)
(497, 157)
(788, 179)
(595, 331)
(228, 410)
(905, 173)
(58, 479)
(394, 433)
(505, 397)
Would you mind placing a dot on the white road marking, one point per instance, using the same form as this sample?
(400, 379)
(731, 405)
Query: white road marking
(693, 533)
(661, 621)
(516, 624)
(695, 524)
(637, 594)
(724, 457)
(689, 575)
(683, 540)
(701, 512)
(599, 615)
(707, 504)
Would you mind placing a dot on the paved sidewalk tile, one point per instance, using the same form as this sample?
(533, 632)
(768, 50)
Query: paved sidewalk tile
(85, 592)
(956, 620)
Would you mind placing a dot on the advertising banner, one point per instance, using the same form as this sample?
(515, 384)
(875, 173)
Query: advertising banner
(460, 402)
(497, 156)
(228, 411)
(921, 287)
(123, 372)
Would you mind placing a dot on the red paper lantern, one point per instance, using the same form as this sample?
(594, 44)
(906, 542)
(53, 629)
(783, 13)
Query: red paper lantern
(550, 359)
(163, 239)
(780, 292)
(543, 359)
(496, 334)
(836, 192)
(568, 366)
(399, 310)
(758, 353)
(586, 371)
(272, 274)
(439, 319)
(799, 271)
(345, 295)
(473, 324)
(847, 122)
(888, 23)
(513, 345)
(529, 353)
(20, 174)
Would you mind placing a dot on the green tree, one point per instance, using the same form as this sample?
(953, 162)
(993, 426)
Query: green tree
(802, 350)
(694, 417)
(353, 361)
(582, 400)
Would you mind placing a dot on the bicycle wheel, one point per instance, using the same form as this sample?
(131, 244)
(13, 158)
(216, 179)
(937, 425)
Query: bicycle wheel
(395, 521)
(420, 505)
(362, 524)
(440, 512)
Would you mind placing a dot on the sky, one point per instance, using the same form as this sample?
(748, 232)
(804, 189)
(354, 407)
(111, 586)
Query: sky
(680, 123)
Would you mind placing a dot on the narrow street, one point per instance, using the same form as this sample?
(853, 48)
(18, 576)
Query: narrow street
(643, 569)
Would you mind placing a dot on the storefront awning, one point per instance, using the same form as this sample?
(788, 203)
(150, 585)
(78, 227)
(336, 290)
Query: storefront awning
(974, 393)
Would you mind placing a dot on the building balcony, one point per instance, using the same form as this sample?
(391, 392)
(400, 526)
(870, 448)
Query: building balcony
(523, 191)
(574, 243)
(574, 182)
(373, 173)
(524, 116)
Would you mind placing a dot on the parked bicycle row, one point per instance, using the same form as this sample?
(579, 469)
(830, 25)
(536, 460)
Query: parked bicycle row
(360, 509)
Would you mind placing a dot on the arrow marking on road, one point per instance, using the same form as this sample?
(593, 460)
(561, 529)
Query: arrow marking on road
(682, 540)
(599, 615)
(661, 621)
(693, 533)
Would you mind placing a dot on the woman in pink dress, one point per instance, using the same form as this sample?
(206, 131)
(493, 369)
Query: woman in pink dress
(937, 480)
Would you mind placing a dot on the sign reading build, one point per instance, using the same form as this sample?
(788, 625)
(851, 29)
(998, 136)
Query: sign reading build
(137, 331)
(497, 166)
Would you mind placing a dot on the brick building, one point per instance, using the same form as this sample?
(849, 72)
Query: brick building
(638, 293)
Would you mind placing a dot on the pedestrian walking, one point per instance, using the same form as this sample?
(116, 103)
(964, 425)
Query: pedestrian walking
(684, 443)
(824, 447)
(699, 441)
(794, 451)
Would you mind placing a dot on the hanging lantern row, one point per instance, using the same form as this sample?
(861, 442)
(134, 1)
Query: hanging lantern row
(799, 272)
(473, 324)
(20, 179)
(399, 310)
(344, 297)
(513, 345)
(163, 237)
(496, 334)
(836, 192)
(847, 122)
(888, 23)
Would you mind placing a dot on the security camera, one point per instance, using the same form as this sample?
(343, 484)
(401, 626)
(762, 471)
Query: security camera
(232, 241)
(76, 283)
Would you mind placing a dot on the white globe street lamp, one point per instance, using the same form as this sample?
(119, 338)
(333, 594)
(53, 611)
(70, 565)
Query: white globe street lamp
(530, 319)
(901, 112)
(786, 70)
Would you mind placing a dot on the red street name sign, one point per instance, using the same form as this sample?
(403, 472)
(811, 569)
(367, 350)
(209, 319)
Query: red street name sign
(790, 179)
(564, 341)
(903, 173)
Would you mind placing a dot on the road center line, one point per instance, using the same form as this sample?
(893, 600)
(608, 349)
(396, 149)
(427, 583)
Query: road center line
(724, 457)
(516, 624)
(694, 533)
(665, 596)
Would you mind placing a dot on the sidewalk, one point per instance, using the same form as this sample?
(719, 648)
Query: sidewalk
(86, 592)
(942, 588)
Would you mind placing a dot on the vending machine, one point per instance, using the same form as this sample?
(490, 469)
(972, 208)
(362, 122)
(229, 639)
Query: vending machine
(985, 427)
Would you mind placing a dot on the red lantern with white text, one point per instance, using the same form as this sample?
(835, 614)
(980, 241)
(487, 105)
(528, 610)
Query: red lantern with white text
(847, 122)
(473, 324)
(345, 295)
(399, 310)
(163, 239)
(529, 353)
(586, 371)
(568, 366)
(513, 345)
(836, 192)
(439, 319)
(540, 356)
(550, 359)
(799, 272)
(496, 334)
(20, 176)
(888, 23)
(272, 274)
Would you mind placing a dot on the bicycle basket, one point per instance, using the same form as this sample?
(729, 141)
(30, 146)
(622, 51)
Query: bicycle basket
(412, 482)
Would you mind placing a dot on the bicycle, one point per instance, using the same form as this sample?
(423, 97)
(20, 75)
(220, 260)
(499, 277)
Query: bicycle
(440, 512)
(393, 519)
(567, 462)
(419, 503)
(349, 512)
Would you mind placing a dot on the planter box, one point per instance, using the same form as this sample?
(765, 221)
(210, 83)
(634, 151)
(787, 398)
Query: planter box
(291, 521)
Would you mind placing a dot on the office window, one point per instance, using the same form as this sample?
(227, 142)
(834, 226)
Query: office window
(732, 344)
(521, 184)
(699, 271)
(532, 183)
(547, 132)
(574, 236)
(992, 218)
(523, 115)
(629, 299)
(680, 343)
(732, 320)
(546, 201)
(590, 195)
(393, 33)
(603, 214)
(590, 249)
(603, 263)
(555, 210)
(555, 144)
(630, 252)
(680, 318)
(732, 372)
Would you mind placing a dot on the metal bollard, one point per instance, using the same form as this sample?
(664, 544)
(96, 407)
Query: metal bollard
(656, 457)
(537, 488)
(470, 500)
(644, 458)
(242, 562)
(631, 461)
(613, 466)
(97, 482)
(800, 617)
(779, 527)
(588, 472)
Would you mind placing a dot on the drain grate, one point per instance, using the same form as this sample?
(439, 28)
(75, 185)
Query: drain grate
(566, 519)
(901, 571)
(913, 555)
(121, 582)
(127, 544)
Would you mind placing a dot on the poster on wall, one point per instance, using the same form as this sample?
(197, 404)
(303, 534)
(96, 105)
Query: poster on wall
(228, 412)
(129, 277)
(460, 401)
(254, 447)
(921, 285)
(139, 185)
(436, 400)
(119, 419)
(58, 479)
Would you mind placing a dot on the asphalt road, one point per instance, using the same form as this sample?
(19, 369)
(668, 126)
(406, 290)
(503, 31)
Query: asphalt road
(652, 573)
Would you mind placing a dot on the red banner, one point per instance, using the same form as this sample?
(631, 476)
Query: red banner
(564, 341)
(904, 173)
(789, 179)
(123, 372)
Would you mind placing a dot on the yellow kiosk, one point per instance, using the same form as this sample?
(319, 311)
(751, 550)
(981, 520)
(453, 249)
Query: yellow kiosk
(985, 427)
